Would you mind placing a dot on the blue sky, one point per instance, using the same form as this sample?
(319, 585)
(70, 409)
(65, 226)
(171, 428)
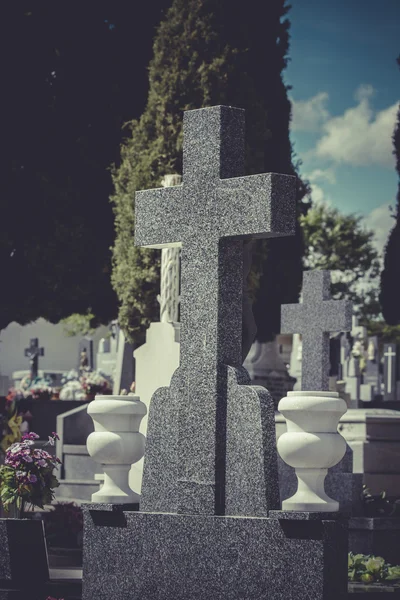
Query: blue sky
(345, 96)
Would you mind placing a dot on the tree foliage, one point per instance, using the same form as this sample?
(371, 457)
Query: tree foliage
(71, 80)
(208, 52)
(390, 277)
(341, 244)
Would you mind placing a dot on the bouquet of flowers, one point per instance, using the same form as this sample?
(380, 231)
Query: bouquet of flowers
(27, 474)
(39, 388)
(71, 387)
(95, 383)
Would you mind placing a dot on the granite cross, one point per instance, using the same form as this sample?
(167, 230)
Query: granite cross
(209, 216)
(33, 353)
(314, 318)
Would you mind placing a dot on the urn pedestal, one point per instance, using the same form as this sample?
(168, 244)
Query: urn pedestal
(116, 444)
(311, 445)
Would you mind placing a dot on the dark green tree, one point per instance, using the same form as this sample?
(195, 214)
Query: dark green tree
(340, 243)
(390, 277)
(208, 52)
(71, 79)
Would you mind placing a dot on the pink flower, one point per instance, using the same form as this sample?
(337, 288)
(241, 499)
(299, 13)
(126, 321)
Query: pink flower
(42, 462)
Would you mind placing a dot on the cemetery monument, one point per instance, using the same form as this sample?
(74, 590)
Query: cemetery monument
(210, 464)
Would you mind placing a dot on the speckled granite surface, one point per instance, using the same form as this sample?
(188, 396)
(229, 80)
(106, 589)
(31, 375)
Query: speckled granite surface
(314, 318)
(23, 555)
(194, 557)
(210, 215)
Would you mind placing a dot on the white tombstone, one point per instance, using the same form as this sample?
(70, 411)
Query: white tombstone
(157, 359)
(295, 361)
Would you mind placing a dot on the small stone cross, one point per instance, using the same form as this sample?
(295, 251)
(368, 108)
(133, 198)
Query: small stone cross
(209, 216)
(315, 318)
(33, 353)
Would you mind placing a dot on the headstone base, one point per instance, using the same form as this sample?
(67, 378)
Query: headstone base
(159, 556)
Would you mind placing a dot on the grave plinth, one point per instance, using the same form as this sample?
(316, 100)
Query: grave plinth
(208, 525)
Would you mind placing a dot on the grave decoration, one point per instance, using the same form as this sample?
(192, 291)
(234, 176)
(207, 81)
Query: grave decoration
(208, 524)
(27, 475)
(84, 386)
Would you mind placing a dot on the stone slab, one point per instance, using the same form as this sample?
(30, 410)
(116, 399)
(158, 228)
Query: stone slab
(377, 535)
(376, 456)
(201, 557)
(23, 553)
(248, 475)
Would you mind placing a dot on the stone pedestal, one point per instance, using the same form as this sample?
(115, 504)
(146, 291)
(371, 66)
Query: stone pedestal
(158, 556)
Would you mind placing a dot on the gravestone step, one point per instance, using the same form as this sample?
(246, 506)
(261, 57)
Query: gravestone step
(77, 464)
(79, 489)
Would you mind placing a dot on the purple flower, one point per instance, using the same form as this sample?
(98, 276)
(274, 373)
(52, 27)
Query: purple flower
(32, 478)
(27, 458)
(42, 463)
(55, 435)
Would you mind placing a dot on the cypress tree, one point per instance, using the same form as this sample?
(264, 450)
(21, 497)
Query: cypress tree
(208, 52)
(390, 275)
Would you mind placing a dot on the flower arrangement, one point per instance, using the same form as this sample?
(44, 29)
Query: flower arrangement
(39, 388)
(371, 569)
(27, 474)
(88, 385)
(95, 383)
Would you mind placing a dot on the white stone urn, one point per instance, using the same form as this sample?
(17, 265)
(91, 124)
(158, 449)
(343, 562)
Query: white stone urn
(311, 445)
(116, 444)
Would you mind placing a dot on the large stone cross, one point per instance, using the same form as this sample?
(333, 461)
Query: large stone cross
(315, 318)
(209, 216)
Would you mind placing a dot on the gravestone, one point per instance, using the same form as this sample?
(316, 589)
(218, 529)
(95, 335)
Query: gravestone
(314, 318)
(211, 452)
(295, 361)
(372, 375)
(390, 372)
(85, 360)
(106, 359)
(33, 353)
(125, 364)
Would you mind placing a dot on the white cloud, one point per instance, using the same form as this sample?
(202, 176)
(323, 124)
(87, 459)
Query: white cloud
(381, 222)
(308, 115)
(321, 175)
(360, 137)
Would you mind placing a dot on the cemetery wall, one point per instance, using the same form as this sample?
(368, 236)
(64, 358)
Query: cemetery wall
(60, 351)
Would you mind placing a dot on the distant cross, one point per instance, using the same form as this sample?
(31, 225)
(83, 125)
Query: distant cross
(33, 353)
(315, 318)
(391, 368)
(210, 215)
